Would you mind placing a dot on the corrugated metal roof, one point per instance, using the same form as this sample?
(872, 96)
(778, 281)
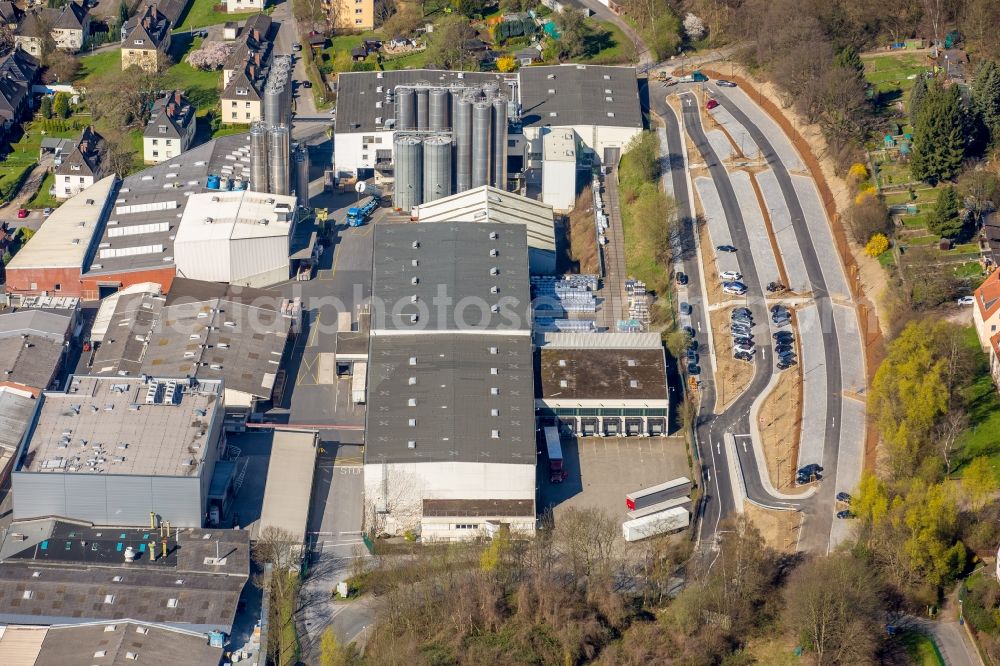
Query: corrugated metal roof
(286, 495)
(19, 646)
(66, 236)
(601, 341)
(574, 95)
(16, 409)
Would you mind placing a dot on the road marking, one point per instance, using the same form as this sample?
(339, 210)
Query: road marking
(354, 533)
(708, 473)
(718, 449)
(833, 421)
(744, 446)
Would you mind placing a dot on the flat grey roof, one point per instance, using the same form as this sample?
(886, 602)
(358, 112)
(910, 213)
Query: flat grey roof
(140, 228)
(104, 425)
(458, 397)
(158, 644)
(289, 483)
(46, 323)
(602, 374)
(201, 329)
(453, 275)
(31, 360)
(357, 93)
(16, 411)
(579, 95)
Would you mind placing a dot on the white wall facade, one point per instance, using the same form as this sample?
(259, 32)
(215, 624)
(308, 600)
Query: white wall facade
(158, 149)
(352, 152)
(203, 259)
(72, 183)
(593, 139)
(559, 184)
(259, 262)
(458, 528)
(408, 484)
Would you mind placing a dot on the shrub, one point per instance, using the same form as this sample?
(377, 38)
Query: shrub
(858, 171)
(877, 245)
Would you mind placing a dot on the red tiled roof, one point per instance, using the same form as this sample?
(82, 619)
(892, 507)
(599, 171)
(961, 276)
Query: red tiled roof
(988, 295)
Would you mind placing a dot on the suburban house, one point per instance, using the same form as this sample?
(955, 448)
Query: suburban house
(986, 317)
(350, 14)
(17, 72)
(68, 26)
(170, 130)
(82, 167)
(148, 40)
(243, 6)
(245, 73)
(10, 14)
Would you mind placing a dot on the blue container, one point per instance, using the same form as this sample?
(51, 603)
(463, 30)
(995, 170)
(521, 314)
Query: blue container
(213, 182)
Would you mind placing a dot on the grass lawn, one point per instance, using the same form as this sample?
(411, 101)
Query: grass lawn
(921, 649)
(93, 66)
(983, 435)
(887, 259)
(415, 60)
(608, 44)
(42, 198)
(201, 13)
(971, 270)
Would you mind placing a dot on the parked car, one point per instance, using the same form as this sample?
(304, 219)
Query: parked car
(742, 311)
(296, 47)
(781, 349)
(741, 329)
(22, 213)
(47, 211)
(685, 308)
(693, 344)
(740, 316)
(725, 84)
(784, 365)
(735, 288)
(967, 300)
(730, 275)
(692, 356)
(745, 349)
(307, 84)
(743, 340)
(843, 497)
(725, 248)
(775, 286)
(682, 278)
(743, 356)
(693, 369)
(689, 330)
(783, 335)
(844, 514)
(712, 103)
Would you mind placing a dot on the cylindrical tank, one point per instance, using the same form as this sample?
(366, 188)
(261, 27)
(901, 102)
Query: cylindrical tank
(481, 120)
(409, 168)
(499, 135)
(438, 109)
(258, 157)
(422, 111)
(463, 145)
(490, 90)
(437, 168)
(406, 108)
(302, 177)
(280, 165)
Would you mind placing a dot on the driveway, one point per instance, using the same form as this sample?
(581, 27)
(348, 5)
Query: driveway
(288, 34)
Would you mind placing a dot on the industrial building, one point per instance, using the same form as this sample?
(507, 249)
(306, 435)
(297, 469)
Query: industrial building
(56, 572)
(450, 446)
(113, 450)
(288, 490)
(203, 330)
(34, 337)
(54, 260)
(490, 204)
(241, 237)
(604, 384)
(559, 169)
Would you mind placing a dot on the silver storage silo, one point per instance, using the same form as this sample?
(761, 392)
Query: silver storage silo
(409, 168)
(437, 168)
(406, 108)
(438, 109)
(490, 90)
(258, 157)
(302, 176)
(499, 134)
(481, 119)
(280, 169)
(422, 109)
(463, 145)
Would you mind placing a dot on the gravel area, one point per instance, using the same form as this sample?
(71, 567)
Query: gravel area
(753, 220)
(720, 144)
(783, 147)
(739, 134)
(718, 228)
(822, 237)
(781, 222)
(813, 362)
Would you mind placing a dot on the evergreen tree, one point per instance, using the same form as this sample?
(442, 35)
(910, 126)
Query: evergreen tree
(944, 221)
(46, 108)
(917, 94)
(938, 136)
(61, 106)
(848, 58)
(986, 98)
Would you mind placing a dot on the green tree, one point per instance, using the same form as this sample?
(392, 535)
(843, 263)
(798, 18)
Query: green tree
(931, 515)
(122, 13)
(979, 482)
(938, 137)
(60, 107)
(917, 95)
(848, 58)
(945, 220)
(986, 97)
(332, 653)
(46, 107)
(574, 33)
(448, 44)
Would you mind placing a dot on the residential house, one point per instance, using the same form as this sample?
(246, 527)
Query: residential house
(170, 130)
(986, 317)
(356, 15)
(17, 73)
(68, 26)
(245, 73)
(10, 14)
(82, 167)
(243, 6)
(148, 40)
(989, 241)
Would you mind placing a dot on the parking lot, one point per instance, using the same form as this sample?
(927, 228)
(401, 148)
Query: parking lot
(602, 470)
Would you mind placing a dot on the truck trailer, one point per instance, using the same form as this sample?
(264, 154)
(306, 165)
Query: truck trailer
(640, 499)
(557, 474)
(357, 215)
(693, 77)
(662, 522)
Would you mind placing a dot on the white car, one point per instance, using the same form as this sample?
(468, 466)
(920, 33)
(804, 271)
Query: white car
(748, 349)
(735, 288)
(967, 300)
(730, 275)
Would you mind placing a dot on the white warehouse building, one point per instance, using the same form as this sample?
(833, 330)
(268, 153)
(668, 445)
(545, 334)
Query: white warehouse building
(490, 204)
(450, 440)
(239, 237)
(559, 169)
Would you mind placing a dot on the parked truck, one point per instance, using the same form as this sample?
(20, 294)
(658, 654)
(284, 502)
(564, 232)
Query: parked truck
(640, 499)
(557, 474)
(670, 520)
(693, 77)
(358, 215)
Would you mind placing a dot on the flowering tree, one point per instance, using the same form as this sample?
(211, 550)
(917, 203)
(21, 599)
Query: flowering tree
(212, 55)
(694, 27)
